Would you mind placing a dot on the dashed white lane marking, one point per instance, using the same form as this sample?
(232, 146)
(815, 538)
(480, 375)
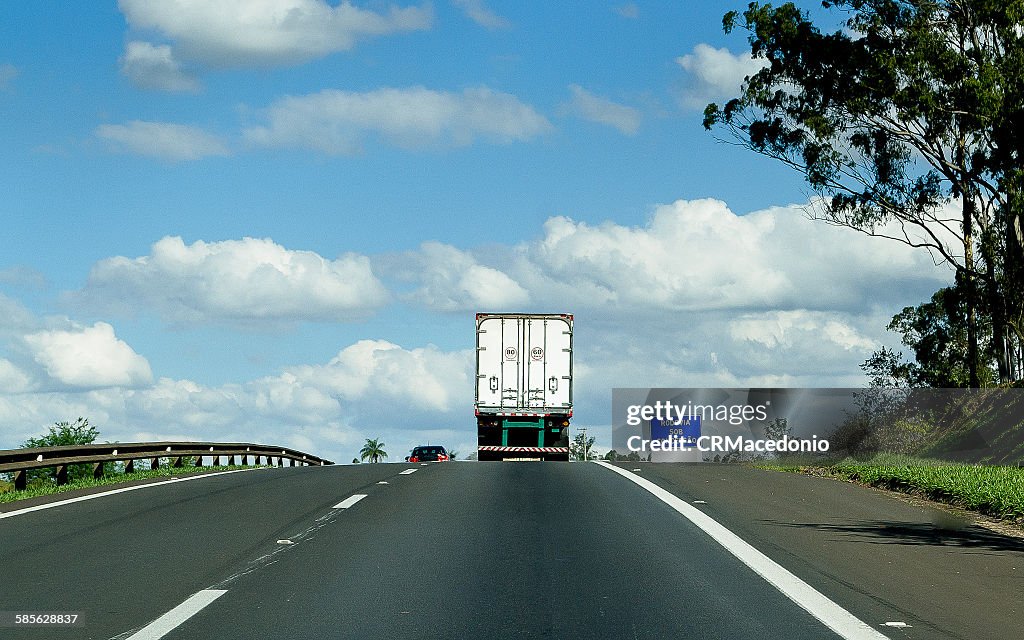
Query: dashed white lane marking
(176, 616)
(349, 501)
(836, 618)
(407, 472)
(134, 487)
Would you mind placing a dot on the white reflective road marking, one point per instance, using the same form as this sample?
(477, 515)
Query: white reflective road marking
(407, 472)
(176, 616)
(836, 618)
(349, 501)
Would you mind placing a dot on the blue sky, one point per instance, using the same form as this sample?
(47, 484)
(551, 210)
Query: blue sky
(273, 220)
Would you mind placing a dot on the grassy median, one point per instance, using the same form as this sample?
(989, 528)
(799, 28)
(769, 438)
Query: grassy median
(992, 490)
(45, 487)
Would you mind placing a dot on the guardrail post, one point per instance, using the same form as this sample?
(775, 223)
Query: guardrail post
(154, 464)
(231, 462)
(178, 461)
(20, 480)
(62, 474)
(199, 461)
(97, 470)
(129, 467)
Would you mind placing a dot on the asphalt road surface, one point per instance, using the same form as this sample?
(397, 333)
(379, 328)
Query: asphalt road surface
(507, 550)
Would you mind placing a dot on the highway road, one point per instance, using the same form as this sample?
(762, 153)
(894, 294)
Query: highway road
(507, 550)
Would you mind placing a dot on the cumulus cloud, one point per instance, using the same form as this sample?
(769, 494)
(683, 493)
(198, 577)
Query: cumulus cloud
(88, 357)
(700, 296)
(479, 13)
(248, 280)
(791, 328)
(151, 66)
(697, 295)
(13, 379)
(452, 280)
(594, 108)
(382, 374)
(336, 122)
(16, 318)
(253, 33)
(372, 388)
(698, 255)
(714, 75)
(22, 276)
(164, 140)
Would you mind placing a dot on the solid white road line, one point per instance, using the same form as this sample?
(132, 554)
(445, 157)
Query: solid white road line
(407, 472)
(836, 618)
(135, 487)
(176, 616)
(349, 501)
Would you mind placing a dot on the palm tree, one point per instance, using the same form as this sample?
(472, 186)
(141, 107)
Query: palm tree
(373, 450)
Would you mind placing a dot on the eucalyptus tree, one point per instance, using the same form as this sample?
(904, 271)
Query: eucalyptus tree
(904, 123)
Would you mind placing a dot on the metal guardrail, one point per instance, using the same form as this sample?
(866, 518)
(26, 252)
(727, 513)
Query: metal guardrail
(19, 461)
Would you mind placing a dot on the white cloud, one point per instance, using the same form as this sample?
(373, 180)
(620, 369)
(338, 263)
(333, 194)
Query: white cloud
(164, 140)
(16, 318)
(791, 328)
(13, 379)
(8, 72)
(479, 13)
(88, 357)
(248, 280)
(714, 74)
(698, 255)
(335, 122)
(451, 280)
(151, 66)
(250, 33)
(22, 276)
(385, 379)
(372, 388)
(699, 295)
(594, 108)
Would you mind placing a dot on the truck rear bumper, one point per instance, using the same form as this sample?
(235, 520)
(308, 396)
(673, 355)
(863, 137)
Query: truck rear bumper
(525, 449)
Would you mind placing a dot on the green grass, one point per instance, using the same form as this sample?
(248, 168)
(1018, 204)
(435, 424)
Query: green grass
(38, 488)
(993, 490)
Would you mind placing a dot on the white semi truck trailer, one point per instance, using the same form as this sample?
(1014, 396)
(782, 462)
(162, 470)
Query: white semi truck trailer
(523, 397)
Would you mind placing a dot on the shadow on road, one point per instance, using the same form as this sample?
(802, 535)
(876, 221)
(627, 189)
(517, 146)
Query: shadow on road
(948, 533)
